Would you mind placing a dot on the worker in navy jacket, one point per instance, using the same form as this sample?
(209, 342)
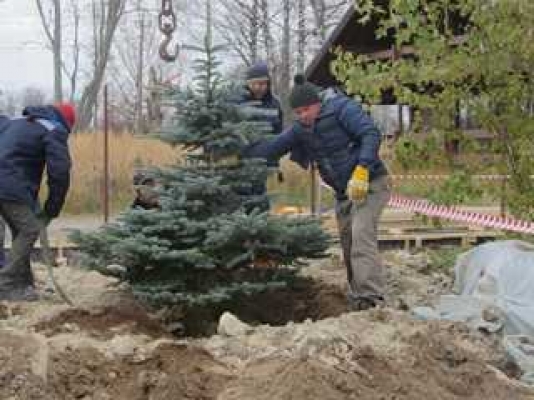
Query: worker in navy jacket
(340, 138)
(256, 102)
(28, 144)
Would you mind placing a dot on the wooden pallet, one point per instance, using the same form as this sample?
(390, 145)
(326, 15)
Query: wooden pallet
(435, 237)
(403, 231)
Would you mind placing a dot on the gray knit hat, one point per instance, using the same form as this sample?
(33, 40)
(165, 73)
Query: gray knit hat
(258, 71)
(304, 93)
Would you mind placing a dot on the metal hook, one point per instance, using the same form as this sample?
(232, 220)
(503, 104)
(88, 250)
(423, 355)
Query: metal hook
(164, 53)
(167, 26)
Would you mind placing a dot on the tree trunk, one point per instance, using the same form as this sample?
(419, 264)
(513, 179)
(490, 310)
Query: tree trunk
(319, 13)
(108, 19)
(302, 34)
(73, 76)
(54, 38)
(285, 76)
(58, 84)
(254, 30)
(139, 80)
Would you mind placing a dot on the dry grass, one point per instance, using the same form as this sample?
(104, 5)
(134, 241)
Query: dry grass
(125, 152)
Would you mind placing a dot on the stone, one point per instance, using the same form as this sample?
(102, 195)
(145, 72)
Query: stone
(230, 325)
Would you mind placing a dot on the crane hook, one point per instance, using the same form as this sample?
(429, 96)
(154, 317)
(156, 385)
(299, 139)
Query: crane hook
(167, 26)
(164, 53)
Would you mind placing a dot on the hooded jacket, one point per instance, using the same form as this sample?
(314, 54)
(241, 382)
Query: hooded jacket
(28, 144)
(342, 137)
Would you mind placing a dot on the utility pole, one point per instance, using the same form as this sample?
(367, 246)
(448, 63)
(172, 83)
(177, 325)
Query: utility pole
(105, 194)
(139, 83)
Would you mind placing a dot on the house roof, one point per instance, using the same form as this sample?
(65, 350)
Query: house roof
(350, 35)
(317, 71)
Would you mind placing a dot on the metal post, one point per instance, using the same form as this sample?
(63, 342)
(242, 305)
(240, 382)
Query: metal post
(141, 62)
(319, 189)
(502, 205)
(106, 156)
(313, 193)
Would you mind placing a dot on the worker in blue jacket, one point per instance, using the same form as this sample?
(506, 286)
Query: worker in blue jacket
(340, 138)
(257, 102)
(28, 144)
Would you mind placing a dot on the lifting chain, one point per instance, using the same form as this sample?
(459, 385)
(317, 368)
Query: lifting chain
(167, 26)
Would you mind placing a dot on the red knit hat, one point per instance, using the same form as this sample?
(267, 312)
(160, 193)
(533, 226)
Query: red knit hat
(68, 112)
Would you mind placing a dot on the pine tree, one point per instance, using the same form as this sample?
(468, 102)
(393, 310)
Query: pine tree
(210, 240)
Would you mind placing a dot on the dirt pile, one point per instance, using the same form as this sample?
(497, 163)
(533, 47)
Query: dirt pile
(105, 371)
(108, 347)
(381, 354)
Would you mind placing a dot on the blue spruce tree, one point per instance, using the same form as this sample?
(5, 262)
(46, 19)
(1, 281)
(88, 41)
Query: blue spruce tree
(209, 241)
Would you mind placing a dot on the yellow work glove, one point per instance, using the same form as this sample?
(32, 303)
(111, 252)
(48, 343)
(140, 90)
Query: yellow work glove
(359, 184)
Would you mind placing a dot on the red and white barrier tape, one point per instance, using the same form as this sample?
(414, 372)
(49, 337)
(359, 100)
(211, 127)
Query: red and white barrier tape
(430, 209)
(421, 177)
(451, 213)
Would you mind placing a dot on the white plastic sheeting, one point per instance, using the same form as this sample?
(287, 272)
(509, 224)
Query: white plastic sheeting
(494, 283)
(501, 274)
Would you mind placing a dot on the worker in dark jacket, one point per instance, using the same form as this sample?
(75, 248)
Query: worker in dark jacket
(28, 144)
(257, 102)
(335, 133)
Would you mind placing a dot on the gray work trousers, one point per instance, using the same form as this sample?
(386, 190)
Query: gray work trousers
(358, 231)
(25, 228)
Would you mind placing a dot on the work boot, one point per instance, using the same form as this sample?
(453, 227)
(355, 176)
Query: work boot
(361, 304)
(24, 293)
(365, 303)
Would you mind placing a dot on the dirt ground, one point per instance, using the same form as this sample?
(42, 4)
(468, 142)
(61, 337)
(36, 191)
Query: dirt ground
(110, 347)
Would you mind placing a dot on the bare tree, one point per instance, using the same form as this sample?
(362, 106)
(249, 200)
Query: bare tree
(327, 14)
(8, 103)
(155, 98)
(239, 25)
(139, 78)
(138, 74)
(301, 36)
(268, 41)
(75, 50)
(283, 32)
(11, 105)
(319, 12)
(254, 30)
(32, 96)
(285, 75)
(52, 28)
(106, 16)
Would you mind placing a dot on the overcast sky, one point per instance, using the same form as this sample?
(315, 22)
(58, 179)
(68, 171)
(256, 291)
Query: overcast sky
(24, 60)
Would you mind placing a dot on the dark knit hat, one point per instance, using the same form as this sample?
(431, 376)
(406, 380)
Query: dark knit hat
(258, 71)
(304, 93)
